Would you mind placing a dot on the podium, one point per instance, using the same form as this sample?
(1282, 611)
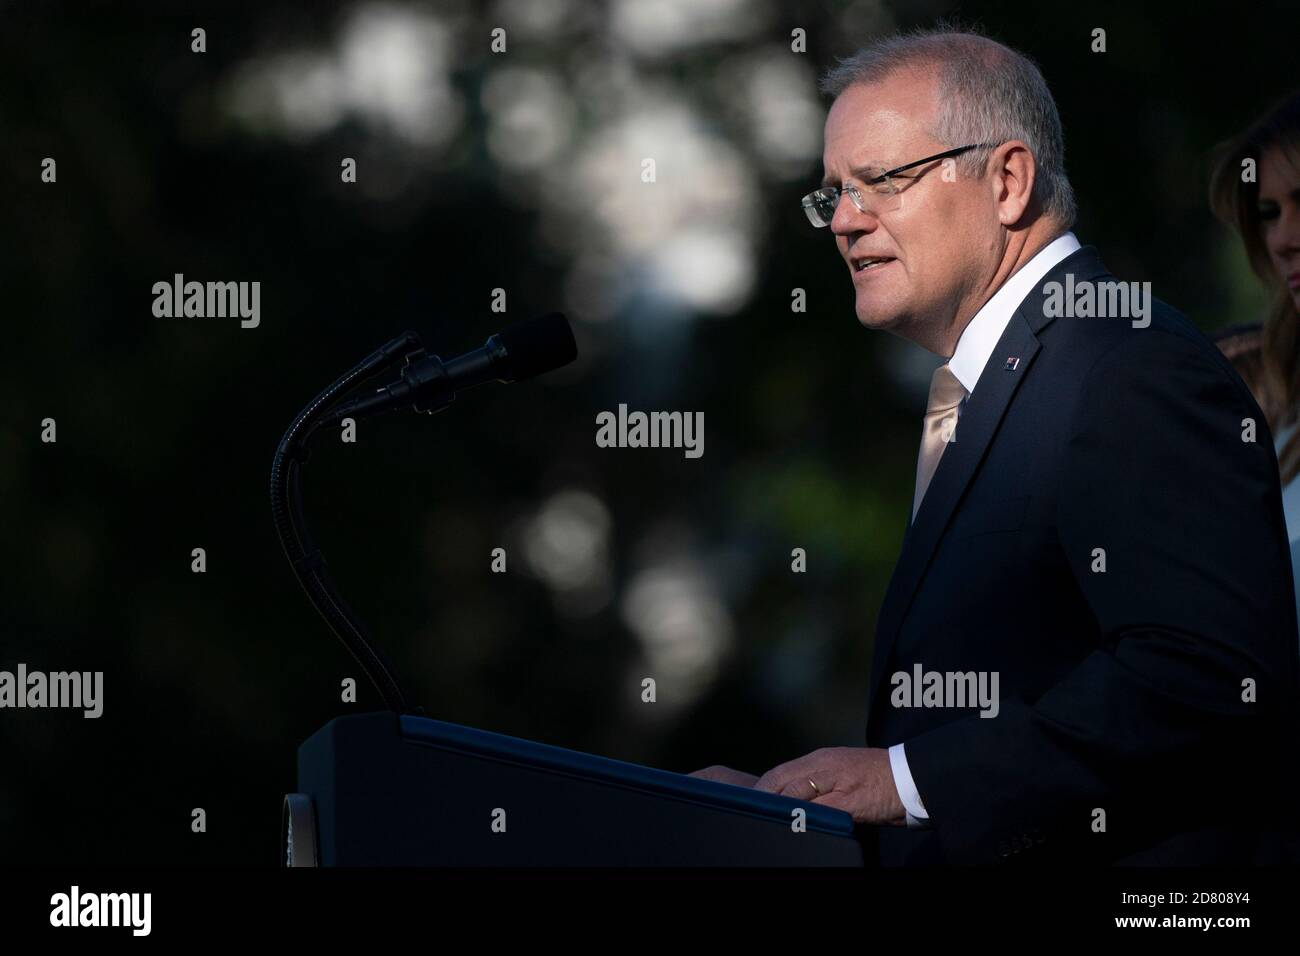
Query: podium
(384, 789)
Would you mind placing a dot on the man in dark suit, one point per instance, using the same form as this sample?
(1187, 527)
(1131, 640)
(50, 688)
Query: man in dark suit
(1088, 649)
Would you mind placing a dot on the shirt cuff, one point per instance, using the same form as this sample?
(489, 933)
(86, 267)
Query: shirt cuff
(906, 786)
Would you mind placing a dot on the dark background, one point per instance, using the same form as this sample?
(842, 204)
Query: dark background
(480, 171)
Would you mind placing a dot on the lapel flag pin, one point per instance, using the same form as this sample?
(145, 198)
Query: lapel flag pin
(1012, 362)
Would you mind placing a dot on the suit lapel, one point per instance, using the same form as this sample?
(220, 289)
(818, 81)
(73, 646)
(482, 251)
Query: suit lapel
(979, 421)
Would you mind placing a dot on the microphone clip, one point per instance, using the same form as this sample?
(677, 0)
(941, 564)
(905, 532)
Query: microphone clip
(425, 386)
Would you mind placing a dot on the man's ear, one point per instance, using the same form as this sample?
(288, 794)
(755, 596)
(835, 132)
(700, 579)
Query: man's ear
(1013, 173)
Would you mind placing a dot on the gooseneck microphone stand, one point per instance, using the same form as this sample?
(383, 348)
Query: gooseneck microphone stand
(427, 384)
(295, 537)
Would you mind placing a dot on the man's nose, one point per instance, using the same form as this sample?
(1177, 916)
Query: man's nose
(849, 218)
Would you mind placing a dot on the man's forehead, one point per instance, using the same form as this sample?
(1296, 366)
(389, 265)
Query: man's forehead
(910, 93)
(879, 139)
(882, 125)
(869, 124)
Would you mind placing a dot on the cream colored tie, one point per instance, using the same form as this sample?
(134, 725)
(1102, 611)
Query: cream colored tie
(946, 393)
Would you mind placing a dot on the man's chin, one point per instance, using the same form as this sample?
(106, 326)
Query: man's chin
(879, 319)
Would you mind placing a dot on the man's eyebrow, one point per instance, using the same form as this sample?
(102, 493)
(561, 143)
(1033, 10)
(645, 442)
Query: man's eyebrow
(856, 172)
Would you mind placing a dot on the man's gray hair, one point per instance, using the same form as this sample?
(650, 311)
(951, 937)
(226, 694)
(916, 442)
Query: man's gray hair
(988, 93)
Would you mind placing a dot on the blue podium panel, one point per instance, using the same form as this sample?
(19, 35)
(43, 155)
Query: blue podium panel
(390, 790)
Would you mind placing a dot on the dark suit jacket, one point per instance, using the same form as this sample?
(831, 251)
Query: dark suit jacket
(1121, 691)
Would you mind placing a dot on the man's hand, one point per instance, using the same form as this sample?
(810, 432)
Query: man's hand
(857, 780)
(721, 774)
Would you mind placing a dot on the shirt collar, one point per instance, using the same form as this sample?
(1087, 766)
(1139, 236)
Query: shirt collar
(981, 334)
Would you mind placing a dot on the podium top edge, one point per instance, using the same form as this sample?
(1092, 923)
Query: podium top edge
(427, 731)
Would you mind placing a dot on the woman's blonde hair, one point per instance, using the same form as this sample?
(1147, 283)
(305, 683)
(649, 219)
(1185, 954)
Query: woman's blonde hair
(1274, 369)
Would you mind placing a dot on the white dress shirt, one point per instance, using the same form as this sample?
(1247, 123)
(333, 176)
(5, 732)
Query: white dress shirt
(974, 347)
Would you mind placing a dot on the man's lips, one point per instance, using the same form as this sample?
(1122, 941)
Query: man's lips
(863, 275)
(1293, 280)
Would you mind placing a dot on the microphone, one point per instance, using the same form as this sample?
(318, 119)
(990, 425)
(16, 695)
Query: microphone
(515, 354)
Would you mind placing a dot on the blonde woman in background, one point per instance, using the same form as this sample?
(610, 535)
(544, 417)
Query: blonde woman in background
(1266, 214)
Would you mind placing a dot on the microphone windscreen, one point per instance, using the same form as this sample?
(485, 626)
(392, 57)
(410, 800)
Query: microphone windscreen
(536, 346)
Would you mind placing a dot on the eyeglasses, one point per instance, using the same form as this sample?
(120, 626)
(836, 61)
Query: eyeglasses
(882, 192)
